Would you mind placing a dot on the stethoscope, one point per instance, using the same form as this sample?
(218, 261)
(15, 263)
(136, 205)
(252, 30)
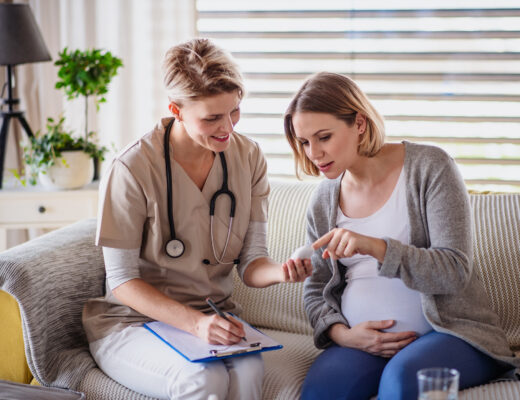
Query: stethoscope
(175, 247)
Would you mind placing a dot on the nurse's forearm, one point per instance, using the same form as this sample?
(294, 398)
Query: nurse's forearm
(149, 301)
(263, 272)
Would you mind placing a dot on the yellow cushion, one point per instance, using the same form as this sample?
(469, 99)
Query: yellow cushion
(13, 366)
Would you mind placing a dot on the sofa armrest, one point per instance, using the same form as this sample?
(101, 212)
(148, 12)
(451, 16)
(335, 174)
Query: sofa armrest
(51, 277)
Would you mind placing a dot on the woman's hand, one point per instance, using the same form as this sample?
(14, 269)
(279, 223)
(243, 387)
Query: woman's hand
(217, 330)
(344, 243)
(264, 272)
(296, 270)
(367, 336)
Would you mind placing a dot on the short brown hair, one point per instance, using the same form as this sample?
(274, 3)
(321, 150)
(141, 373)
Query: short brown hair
(198, 68)
(335, 94)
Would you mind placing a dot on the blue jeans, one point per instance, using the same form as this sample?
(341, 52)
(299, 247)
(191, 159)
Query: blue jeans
(345, 373)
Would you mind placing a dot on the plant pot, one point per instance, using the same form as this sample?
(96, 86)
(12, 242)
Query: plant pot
(77, 172)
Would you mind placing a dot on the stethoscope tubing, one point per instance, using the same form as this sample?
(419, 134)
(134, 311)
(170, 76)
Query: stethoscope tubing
(224, 190)
(169, 178)
(221, 259)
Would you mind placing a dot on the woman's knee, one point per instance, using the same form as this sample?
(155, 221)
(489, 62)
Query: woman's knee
(398, 381)
(199, 381)
(245, 377)
(343, 373)
(247, 369)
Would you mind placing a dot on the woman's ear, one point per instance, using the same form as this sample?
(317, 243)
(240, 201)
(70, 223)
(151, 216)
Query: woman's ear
(174, 109)
(361, 123)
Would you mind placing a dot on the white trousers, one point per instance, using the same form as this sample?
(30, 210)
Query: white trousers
(140, 361)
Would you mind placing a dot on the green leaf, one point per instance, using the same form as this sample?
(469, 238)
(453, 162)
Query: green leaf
(86, 73)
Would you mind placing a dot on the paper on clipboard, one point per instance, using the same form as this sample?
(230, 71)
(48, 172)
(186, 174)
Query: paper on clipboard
(195, 349)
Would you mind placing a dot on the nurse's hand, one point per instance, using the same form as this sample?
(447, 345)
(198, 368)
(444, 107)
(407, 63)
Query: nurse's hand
(342, 243)
(367, 336)
(296, 270)
(217, 330)
(264, 272)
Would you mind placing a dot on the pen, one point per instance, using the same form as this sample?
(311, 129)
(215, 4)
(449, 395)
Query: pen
(219, 312)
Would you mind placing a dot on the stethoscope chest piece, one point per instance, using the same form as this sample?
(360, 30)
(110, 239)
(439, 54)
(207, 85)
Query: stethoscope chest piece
(175, 248)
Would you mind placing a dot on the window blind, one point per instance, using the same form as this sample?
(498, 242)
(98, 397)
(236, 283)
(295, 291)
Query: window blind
(444, 73)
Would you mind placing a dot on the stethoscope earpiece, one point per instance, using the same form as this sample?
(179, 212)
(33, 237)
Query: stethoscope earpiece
(175, 247)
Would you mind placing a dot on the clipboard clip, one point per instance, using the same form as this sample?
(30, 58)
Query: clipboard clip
(252, 347)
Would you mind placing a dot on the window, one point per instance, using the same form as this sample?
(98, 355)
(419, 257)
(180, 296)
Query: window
(443, 72)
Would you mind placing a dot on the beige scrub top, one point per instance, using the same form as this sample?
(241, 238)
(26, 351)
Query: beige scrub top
(133, 214)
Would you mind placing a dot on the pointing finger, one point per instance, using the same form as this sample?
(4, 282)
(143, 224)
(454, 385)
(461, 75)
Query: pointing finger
(323, 240)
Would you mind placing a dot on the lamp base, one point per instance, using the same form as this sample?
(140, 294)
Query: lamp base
(6, 118)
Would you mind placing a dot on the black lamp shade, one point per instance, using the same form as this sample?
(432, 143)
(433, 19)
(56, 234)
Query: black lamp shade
(20, 38)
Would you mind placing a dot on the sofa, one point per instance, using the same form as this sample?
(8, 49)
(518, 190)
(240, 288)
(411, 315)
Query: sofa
(51, 277)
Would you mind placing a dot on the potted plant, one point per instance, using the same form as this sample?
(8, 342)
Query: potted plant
(59, 159)
(86, 73)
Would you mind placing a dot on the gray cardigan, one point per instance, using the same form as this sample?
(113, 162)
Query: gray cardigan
(437, 263)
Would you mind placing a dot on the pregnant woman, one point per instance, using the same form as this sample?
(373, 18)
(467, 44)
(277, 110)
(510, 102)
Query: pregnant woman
(393, 288)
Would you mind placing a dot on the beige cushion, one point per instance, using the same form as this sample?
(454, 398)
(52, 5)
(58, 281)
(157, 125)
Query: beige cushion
(98, 386)
(497, 256)
(280, 306)
(506, 390)
(286, 369)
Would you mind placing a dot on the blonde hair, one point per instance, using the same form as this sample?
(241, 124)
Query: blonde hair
(340, 96)
(198, 68)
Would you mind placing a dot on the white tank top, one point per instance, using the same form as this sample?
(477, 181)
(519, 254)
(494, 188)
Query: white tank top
(368, 296)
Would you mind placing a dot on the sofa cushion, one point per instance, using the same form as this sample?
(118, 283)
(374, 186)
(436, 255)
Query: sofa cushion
(98, 386)
(497, 256)
(286, 369)
(503, 390)
(280, 306)
(13, 366)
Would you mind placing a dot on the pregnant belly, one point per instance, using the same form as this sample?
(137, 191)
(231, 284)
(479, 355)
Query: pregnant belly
(378, 298)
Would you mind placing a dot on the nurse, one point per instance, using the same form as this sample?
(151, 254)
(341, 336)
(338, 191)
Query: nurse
(393, 288)
(163, 253)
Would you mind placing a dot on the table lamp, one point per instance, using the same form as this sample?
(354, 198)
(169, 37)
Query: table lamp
(20, 42)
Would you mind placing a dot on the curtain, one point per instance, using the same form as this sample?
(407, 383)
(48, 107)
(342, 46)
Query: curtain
(137, 31)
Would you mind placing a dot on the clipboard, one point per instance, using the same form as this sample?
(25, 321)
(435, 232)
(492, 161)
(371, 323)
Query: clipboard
(195, 349)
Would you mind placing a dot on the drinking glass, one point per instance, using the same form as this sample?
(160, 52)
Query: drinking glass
(438, 384)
